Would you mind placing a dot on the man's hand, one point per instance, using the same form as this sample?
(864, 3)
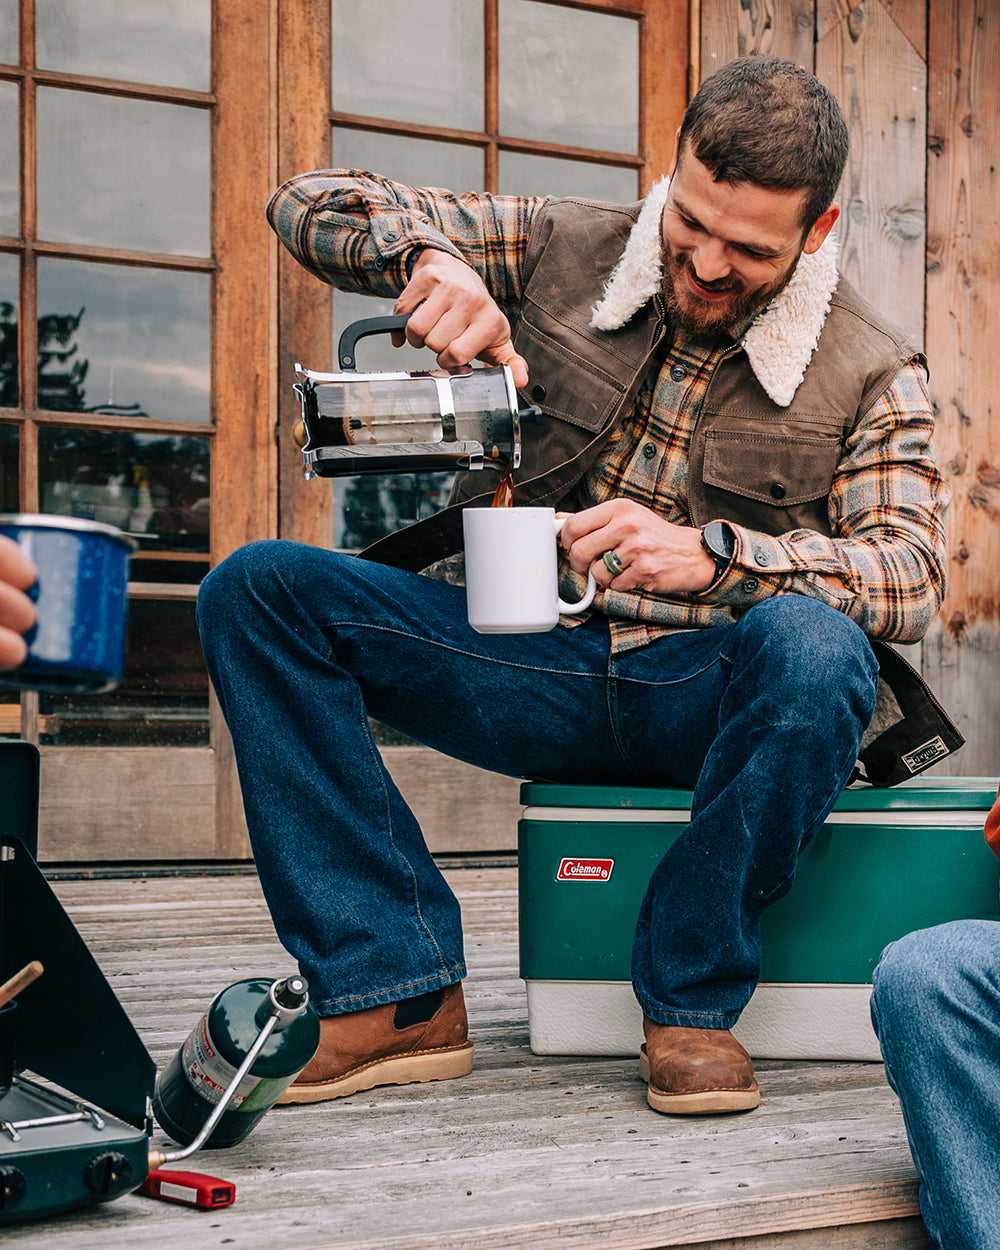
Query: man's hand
(453, 314)
(17, 612)
(658, 556)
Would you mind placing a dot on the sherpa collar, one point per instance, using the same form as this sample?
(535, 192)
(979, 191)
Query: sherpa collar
(781, 341)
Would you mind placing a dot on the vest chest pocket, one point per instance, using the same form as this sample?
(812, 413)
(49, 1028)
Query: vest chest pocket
(771, 482)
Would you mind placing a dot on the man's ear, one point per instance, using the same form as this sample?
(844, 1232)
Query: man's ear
(821, 228)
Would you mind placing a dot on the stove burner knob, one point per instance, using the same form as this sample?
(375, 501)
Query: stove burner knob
(108, 1174)
(13, 1187)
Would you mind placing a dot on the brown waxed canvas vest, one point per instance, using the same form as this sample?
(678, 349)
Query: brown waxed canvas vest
(766, 467)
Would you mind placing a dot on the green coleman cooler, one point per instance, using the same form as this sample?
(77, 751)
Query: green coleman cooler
(886, 862)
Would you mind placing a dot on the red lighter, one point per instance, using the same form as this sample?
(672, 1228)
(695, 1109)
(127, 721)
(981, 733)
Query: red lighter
(190, 1189)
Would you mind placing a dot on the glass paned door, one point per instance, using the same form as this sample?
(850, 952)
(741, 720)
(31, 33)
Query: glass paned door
(124, 178)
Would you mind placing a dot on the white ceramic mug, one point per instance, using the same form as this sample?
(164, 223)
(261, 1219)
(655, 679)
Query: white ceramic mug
(511, 577)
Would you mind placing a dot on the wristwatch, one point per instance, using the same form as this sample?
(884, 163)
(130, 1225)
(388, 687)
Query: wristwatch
(720, 543)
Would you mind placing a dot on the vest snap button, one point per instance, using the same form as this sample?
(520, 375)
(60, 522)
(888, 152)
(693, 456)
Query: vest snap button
(538, 392)
(778, 490)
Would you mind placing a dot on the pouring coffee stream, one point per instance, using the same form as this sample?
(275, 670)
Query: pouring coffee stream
(398, 422)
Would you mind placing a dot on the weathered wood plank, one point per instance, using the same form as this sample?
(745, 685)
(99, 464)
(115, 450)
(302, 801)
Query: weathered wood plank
(963, 318)
(150, 803)
(526, 1151)
(882, 225)
(773, 27)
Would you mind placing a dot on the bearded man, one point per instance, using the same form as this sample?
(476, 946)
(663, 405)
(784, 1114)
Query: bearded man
(742, 445)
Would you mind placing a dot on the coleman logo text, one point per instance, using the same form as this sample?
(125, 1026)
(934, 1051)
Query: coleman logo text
(585, 870)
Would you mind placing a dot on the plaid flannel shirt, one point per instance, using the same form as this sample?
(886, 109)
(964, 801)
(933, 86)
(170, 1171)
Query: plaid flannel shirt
(359, 232)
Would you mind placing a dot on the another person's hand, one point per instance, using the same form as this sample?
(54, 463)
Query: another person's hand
(453, 314)
(656, 555)
(17, 612)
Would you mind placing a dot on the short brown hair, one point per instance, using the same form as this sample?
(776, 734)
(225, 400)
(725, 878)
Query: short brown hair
(767, 121)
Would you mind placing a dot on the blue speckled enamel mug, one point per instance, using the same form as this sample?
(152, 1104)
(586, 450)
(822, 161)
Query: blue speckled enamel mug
(77, 644)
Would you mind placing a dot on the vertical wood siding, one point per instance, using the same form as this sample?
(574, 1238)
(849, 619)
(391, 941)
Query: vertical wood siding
(919, 83)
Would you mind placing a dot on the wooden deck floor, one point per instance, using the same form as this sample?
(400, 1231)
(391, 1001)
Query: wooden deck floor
(526, 1152)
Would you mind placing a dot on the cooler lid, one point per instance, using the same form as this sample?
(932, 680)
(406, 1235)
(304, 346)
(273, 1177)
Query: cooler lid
(937, 793)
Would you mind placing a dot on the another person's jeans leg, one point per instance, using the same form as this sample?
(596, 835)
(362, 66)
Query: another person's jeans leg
(936, 1011)
(761, 718)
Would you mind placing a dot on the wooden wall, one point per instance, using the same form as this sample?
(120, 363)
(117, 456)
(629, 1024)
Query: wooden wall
(919, 82)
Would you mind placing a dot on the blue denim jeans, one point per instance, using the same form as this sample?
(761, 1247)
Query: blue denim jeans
(936, 1010)
(762, 719)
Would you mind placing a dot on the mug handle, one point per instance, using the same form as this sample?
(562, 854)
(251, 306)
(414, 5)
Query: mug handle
(572, 609)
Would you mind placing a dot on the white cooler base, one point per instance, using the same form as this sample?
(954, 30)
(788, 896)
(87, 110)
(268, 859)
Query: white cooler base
(780, 1021)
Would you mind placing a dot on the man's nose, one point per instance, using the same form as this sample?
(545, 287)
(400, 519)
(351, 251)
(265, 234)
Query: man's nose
(709, 261)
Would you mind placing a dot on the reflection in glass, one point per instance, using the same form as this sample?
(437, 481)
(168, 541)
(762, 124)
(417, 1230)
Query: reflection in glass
(10, 374)
(138, 169)
(524, 174)
(569, 76)
(9, 27)
(123, 340)
(409, 60)
(163, 699)
(414, 162)
(153, 486)
(10, 159)
(157, 41)
(10, 495)
(368, 507)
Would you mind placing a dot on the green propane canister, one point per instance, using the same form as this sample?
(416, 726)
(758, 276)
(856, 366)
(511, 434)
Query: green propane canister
(191, 1085)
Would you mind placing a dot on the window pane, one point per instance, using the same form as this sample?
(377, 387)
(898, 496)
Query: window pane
(569, 76)
(116, 339)
(139, 172)
(10, 374)
(9, 26)
(409, 60)
(153, 486)
(163, 699)
(369, 506)
(522, 174)
(10, 158)
(377, 352)
(414, 162)
(157, 41)
(10, 495)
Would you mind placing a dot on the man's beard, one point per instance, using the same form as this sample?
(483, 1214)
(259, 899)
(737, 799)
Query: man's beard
(696, 316)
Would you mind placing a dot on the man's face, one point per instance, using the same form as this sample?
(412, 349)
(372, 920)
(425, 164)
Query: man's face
(729, 248)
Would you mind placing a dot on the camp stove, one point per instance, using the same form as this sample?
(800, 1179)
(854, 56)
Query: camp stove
(58, 1153)
(77, 1130)
(358, 423)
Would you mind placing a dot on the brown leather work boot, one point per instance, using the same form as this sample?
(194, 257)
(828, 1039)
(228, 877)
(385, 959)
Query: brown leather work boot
(380, 1046)
(696, 1071)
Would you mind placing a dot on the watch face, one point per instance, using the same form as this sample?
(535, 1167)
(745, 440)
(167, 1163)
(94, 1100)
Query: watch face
(719, 540)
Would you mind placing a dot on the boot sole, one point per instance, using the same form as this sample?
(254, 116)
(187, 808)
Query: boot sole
(704, 1102)
(397, 1070)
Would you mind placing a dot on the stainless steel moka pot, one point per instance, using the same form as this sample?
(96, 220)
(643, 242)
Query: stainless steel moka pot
(356, 423)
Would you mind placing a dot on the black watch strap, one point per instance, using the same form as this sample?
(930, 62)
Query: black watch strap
(720, 543)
